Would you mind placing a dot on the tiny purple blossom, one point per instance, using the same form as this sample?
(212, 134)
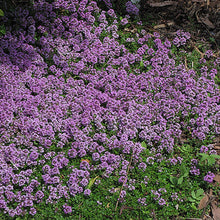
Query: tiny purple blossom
(87, 192)
(162, 202)
(67, 209)
(209, 177)
(32, 211)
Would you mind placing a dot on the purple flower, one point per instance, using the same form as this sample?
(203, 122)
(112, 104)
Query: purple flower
(21, 182)
(84, 165)
(108, 3)
(142, 166)
(157, 194)
(99, 203)
(209, 177)
(123, 194)
(82, 153)
(54, 171)
(87, 192)
(209, 53)
(203, 149)
(124, 21)
(39, 194)
(67, 209)
(150, 160)
(213, 152)
(55, 179)
(34, 155)
(162, 202)
(174, 196)
(142, 201)
(95, 156)
(111, 12)
(131, 8)
(28, 202)
(32, 211)
(122, 179)
(80, 173)
(173, 161)
(84, 182)
(194, 171)
(194, 162)
(46, 169)
(72, 153)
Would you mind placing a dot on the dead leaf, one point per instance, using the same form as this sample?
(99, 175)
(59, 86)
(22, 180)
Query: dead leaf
(216, 213)
(217, 147)
(193, 219)
(162, 4)
(205, 20)
(207, 217)
(217, 178)
(199, 1)
(163, 25)
(85, 160)
(117, 189)
(210, 192)
(131, 30)
(203, 202)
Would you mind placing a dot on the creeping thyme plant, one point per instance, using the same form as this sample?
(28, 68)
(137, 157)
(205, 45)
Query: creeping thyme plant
(99, 122)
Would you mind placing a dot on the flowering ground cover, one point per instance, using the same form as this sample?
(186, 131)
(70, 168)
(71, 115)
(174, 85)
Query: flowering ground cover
(98, 122)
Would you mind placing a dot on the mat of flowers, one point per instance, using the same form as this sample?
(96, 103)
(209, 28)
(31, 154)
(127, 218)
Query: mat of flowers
(82, 104)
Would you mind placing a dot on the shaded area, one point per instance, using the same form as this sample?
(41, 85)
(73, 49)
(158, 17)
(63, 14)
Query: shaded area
(200, 18)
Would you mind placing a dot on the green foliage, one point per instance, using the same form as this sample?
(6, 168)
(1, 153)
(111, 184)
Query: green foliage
(161, 174)
(195, 197)
(210, 160)
(1, 13)
(178, 180)
(2, 30)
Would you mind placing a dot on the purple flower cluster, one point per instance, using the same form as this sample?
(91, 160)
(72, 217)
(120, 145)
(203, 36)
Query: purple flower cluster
(142, 201)
(181, 38)
(175, 196)
(209, 177)
(157, 196)
(108, 3)
(131, 8)
(71, 91)
(67, 209)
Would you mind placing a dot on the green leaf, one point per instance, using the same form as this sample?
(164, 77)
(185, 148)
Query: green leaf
(212, 39)
(210, 158)
(199, 192)
(211, 161)
(215, 156)
(180, 180)
(173, 180)
(141, 63)
(186, 174)
(204, 156)
(191, 199)
(143, 144)
(91, 182)
(193, 206)
(193, 194)
(2, 28)
(200, 197)
(1, 13)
